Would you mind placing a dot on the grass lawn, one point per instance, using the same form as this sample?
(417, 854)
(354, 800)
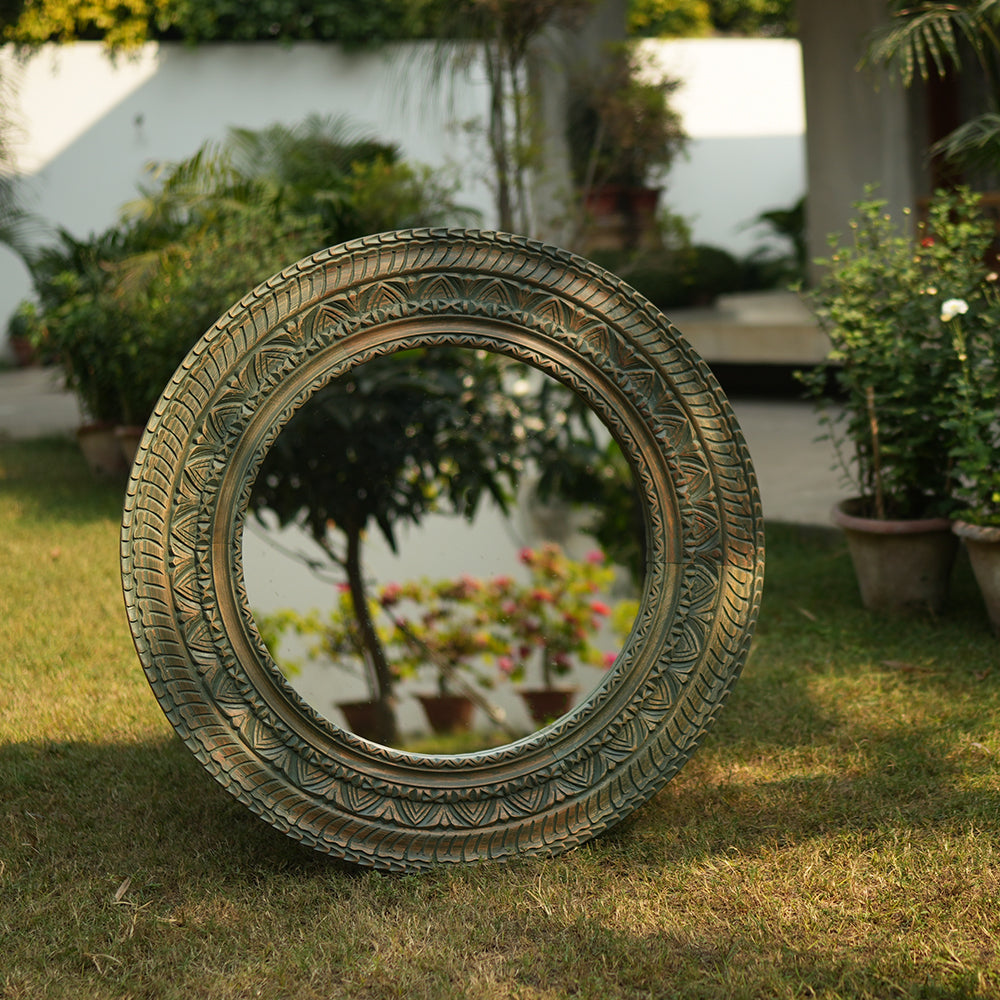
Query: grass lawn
(837, 836)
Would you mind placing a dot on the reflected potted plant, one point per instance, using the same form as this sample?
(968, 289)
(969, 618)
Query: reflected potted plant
(441, 627)
(333, 639)
(975, 425)
(622, 135)
(554, 619)
(893, 367)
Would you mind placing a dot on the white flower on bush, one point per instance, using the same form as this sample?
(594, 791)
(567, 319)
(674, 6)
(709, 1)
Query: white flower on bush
(953, 308)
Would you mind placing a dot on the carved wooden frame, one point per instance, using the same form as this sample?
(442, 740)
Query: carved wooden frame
(187, 502)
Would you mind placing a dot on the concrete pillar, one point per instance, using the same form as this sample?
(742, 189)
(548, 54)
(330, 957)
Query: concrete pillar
(558, 54)
(860, 128)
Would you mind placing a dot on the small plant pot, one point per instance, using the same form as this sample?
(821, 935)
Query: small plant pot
(621, 217)
(983, 545)
(362, 718)
(447, 713)
(545, 705)
(24, 352)
(101, 450)
(899, 565)
(129, 437)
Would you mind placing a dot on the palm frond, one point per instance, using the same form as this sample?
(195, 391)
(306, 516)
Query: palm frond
(318, 145)
(974, 144)
(920, 39)
(987, 16)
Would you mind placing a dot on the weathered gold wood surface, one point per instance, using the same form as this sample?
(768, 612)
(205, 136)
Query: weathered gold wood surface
(187, 503)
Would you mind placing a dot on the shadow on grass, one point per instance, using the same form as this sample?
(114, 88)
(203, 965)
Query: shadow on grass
(127, 806)
(49, 480)
(123, 806)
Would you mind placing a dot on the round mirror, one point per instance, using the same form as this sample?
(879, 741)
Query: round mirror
(219, 434)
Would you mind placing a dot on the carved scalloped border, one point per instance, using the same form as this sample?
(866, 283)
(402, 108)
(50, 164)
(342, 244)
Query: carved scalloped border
(347, 796)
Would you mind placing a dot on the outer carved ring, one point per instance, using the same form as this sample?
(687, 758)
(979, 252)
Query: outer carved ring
(186, 506)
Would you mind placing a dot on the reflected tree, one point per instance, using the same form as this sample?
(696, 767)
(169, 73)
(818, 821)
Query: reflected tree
(420, 431)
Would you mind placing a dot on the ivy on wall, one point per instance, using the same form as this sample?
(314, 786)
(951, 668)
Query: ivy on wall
(124, 24)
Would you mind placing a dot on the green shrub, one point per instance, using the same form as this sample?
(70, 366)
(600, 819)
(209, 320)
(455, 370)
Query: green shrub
(122, 308)
(669, 18)
(679, 277)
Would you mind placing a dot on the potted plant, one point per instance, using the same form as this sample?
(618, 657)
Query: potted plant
(622, 134)
(553, 618)
(892, 365)
(441, 627)
(975, 425)
(332, 639)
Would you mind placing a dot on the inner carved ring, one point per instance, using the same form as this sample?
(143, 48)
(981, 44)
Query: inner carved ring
(276, 410)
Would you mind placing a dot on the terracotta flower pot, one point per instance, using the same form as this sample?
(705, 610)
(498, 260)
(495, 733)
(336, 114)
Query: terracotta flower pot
(129, 437)
(899, 565)
(447, 713)
(983, 545)
(24, 352)
(362, 718)
(101, 450)
(620, 217)
(545, 705)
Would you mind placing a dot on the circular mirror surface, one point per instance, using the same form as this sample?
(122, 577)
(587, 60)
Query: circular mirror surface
(485, 522)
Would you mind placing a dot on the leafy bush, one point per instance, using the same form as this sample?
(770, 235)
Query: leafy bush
(669, 18)
(122, 308)
(975, 421)
(680, 277)
(773, 18)
(880, 300)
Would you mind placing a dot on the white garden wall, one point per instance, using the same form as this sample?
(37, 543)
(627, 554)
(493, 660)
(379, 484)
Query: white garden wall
(88, 127)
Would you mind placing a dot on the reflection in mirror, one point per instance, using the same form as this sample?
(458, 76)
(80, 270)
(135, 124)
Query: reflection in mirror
(444, 550)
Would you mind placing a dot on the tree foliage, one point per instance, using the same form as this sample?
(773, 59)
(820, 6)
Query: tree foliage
(124, 24)
(687, 18)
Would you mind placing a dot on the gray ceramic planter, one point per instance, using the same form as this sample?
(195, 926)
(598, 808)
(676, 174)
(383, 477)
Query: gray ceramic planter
(900, 565)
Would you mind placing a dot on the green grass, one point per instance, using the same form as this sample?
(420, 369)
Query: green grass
(837, 836)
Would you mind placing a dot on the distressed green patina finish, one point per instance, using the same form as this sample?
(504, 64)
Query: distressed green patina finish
(187, 503)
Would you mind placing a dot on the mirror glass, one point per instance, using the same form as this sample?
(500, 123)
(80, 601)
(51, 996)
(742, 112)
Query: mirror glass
(483, 521)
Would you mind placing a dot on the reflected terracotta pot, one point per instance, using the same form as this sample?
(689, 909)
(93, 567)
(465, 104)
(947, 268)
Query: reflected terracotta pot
(362, 718)
(447, 713)
(545, 705)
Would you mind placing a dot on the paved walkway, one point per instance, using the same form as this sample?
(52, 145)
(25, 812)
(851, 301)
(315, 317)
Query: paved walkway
(796, 481)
